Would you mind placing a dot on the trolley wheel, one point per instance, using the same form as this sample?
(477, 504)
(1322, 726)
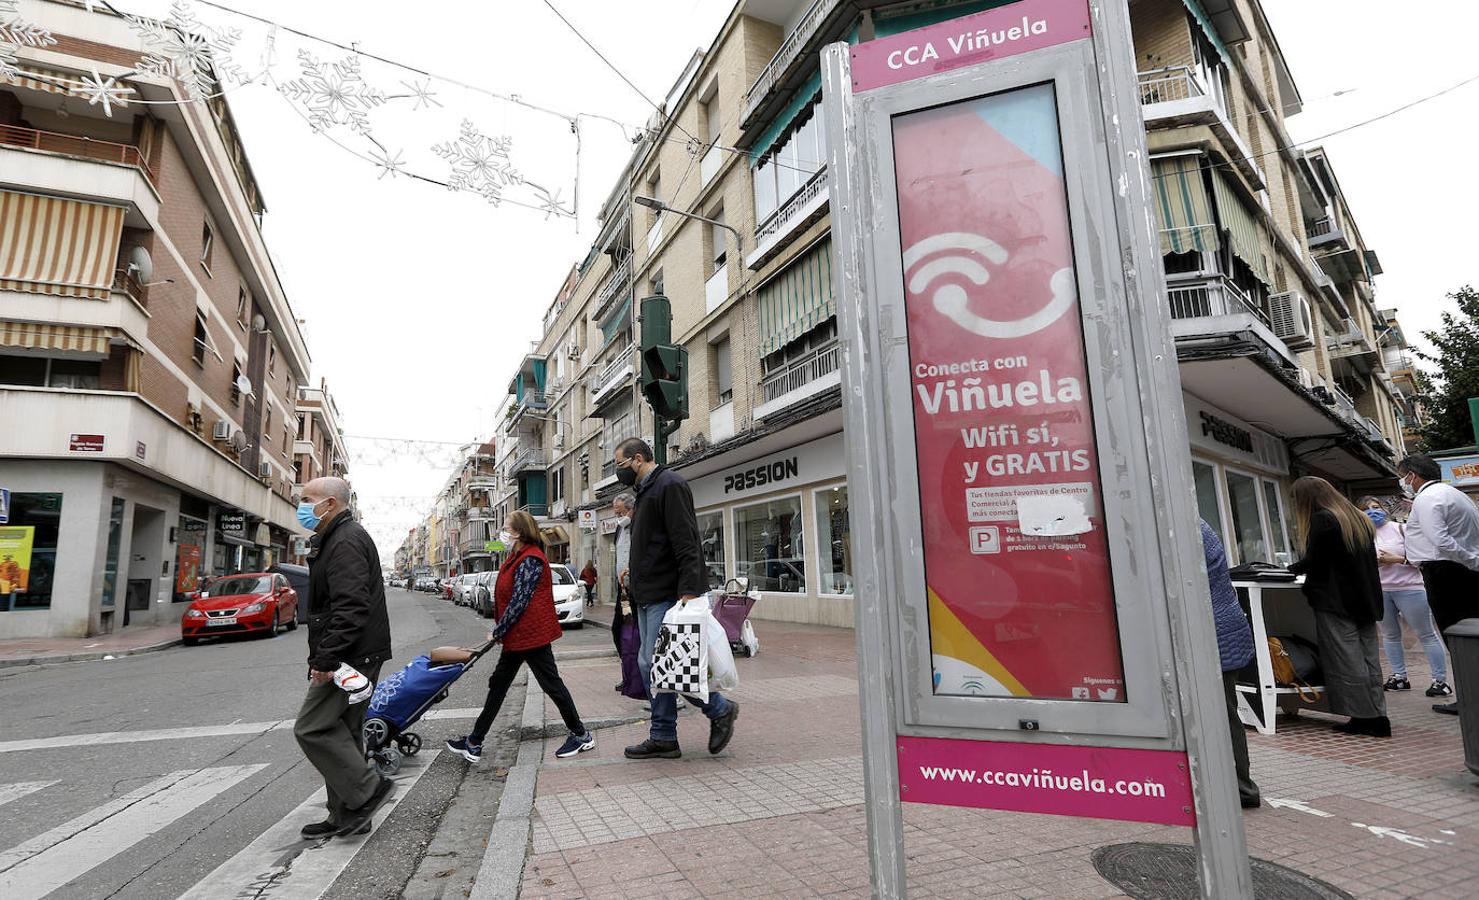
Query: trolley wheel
(409, 743)
(387, 761)
(376, 733)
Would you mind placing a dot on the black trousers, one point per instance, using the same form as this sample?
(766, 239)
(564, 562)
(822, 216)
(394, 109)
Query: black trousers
(1452, 590)
(1247, 790)
(541, 662)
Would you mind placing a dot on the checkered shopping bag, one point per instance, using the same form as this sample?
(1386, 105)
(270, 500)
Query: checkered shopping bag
(680, 658)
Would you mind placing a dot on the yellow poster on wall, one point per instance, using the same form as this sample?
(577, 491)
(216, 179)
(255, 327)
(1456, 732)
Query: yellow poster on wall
(15, 557)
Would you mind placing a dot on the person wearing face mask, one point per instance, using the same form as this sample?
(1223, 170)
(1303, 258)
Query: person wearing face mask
(1405, 601)
(524, 607)
(666, 567)
(347, 623)
(1443, 542)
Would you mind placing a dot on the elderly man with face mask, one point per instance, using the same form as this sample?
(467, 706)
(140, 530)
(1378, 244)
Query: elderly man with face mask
(347, 625)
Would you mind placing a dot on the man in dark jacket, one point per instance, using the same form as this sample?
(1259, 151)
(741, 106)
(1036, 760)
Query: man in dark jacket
(347, 624)
(666, 567)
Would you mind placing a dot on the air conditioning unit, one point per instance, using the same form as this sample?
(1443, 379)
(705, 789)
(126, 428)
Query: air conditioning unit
(264, 470)
(1291, 318)
(1307, 378)
(221, 431)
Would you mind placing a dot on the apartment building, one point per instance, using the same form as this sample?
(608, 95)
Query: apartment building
(150, 361)
(318, 447)
(455, 536)
(1396, 352)
(1271, 294)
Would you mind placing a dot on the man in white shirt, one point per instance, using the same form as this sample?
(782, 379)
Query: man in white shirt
(1443, 541)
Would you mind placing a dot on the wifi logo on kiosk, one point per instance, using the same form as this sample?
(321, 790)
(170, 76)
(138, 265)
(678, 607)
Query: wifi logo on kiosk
(965, 254)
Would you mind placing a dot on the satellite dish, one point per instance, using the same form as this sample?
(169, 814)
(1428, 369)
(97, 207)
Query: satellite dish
(238, 440)
(143, 266)
(244, 384)
(259, 322)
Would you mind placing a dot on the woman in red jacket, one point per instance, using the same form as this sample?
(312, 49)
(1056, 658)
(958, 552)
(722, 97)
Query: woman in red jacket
(524, 606)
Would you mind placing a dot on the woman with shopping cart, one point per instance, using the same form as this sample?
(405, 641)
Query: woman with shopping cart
(524, 607)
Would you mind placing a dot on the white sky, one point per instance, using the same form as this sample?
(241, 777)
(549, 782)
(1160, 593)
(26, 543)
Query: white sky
(418, 301)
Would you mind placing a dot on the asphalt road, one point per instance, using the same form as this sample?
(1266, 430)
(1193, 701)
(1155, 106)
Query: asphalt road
(150, 776)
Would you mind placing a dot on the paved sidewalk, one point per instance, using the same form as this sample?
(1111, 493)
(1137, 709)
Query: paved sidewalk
(126, 642)
(780, 812)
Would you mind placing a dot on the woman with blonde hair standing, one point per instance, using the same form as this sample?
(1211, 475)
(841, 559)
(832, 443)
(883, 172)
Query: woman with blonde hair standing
(1343, 587)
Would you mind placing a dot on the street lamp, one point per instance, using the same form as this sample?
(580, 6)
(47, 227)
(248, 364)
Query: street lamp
(656, 204)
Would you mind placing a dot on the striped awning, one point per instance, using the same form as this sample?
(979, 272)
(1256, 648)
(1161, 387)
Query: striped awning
(797, 300)
(1181, 205)
(53, 246)
(44, 336)
(54, 82)
(1242, 229)
(619, 320)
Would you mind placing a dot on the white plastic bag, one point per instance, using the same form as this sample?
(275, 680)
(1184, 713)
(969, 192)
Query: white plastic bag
(680, 660)
(723, 674)
(748, 639)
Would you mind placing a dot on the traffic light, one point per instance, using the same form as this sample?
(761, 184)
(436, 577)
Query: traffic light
(665, 380)
(664, 365)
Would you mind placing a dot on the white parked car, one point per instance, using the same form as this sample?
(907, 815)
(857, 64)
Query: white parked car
(462, 587)
(569, 596)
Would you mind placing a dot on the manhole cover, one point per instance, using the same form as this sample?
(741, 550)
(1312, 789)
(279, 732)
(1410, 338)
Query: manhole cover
(1169, 872)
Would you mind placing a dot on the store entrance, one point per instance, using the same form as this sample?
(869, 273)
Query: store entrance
(145, 557)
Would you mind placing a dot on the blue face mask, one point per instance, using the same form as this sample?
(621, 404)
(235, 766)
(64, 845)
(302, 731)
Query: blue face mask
(306, 515)
(1378, 517)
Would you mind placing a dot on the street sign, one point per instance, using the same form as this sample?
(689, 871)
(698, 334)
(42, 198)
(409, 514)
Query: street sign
(494, 546)
(1034, 632)
(588, 520)
(86, 443)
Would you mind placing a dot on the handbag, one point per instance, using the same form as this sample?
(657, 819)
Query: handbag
(1285, 673)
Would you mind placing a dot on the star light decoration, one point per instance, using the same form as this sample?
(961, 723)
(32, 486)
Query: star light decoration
(103, 90)
(16, 33)
(479, 163)
(180, 47)
(334, 93)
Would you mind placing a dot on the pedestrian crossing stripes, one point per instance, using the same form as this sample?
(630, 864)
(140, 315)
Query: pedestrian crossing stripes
(283, 865)
(70, 741)
(9, 792)
(42, 864)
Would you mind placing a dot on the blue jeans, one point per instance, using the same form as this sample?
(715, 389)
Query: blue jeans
(665, 706)
(1413, 607)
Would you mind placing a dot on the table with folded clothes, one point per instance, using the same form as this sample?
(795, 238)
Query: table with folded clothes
(1276, 607)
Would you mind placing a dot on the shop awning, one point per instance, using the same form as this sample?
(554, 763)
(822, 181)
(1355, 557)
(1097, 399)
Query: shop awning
(43, 336)
(798, 299)
(555, 535)
(1242, 230)
(1181, 205)
(619, 320)
(53, 246)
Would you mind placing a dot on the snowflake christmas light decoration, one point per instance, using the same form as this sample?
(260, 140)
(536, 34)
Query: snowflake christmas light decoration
(422, 93)
(180, 47)
(334, 93)
(390, 163)
(16, 33)
(103, 90)
(479, 163)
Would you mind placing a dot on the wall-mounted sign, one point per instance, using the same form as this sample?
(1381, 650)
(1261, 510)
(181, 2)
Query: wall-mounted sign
(86, 443)
(231, 527)
(141, 450)
(1459, 471)
(588, 520)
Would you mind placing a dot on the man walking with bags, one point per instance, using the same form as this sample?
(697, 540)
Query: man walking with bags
(1442, 540)
(347, 625)
(666, 567)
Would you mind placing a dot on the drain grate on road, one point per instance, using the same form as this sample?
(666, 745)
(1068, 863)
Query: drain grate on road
(1169, 872)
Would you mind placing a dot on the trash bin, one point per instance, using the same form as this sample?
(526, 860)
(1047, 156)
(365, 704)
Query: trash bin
(1463, 648)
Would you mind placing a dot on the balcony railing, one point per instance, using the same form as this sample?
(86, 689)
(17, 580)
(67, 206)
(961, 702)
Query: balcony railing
(814, 365)
(1322, 226)
(1169, 84)
(125, 282)
(790, 48)
(71, 145)
(613, 372)
(538, 510)
(533, 458)
(483, 483)
(1211, 297)
(614, 287)
(474, 545)
(778, 220)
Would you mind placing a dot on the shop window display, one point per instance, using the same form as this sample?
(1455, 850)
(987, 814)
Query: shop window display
(711, 539)
(834, 553)
(28, 545)
(770, 548)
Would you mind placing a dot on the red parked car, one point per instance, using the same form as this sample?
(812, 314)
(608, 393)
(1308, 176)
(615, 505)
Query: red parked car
(248, 603)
